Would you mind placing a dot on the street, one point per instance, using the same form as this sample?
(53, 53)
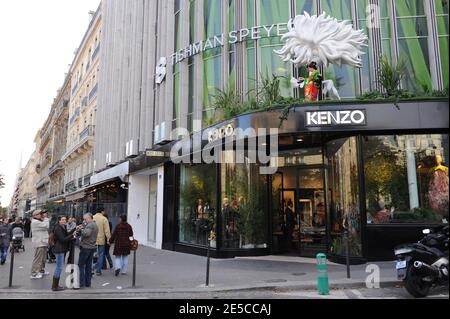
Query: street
(169, 275)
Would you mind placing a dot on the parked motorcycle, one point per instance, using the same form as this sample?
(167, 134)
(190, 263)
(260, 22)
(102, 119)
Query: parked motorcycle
(424, 265)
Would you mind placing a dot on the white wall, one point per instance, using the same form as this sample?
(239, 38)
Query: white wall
(138, 206)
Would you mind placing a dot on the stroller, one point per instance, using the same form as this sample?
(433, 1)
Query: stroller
(17, 239)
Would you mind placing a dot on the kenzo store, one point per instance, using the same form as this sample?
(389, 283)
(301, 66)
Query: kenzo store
(366, 169)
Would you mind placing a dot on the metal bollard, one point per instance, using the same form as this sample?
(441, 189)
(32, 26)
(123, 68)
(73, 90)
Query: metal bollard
(134, 269)
(347, 252)
(208, 262)
(11, 269)
(322, 279)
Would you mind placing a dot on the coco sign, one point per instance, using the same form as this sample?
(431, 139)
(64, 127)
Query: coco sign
(220, 133)
(336, 118)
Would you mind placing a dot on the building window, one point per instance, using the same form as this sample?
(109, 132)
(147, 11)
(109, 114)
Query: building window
(212, 59)
(406, 181)
(176, 68)
(244, 205)
(274, 12)
(345, 77)
(412, 33)
(343, 196)
(442, 26)
(197, 215)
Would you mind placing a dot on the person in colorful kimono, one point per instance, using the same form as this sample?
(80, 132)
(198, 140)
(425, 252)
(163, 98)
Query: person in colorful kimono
(312, 84)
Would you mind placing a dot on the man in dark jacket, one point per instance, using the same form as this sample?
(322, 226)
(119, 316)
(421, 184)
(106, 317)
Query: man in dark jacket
(5, 239)
(62, 240)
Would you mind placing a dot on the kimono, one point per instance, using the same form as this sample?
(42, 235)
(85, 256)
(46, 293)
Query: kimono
(312, 87)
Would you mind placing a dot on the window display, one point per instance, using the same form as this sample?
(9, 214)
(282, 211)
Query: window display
(197, 213)
(406, 178)
(244, 206)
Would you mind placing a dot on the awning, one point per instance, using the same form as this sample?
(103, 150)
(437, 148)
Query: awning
(119, 171)
(75, 196)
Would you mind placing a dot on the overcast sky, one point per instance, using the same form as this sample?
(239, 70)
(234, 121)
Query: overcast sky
(38, 40)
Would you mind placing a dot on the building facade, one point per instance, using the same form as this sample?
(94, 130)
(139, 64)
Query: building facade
(174, 55)
(78, 158)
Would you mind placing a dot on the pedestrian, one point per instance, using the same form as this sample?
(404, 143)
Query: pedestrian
(88, 245)
(71, 225)
(39, 228)
(62, 240)
(107, 249)
(5, 239)
(104, 235)
(27, 227)
(17, 223)
(122, 247)
(53, 222)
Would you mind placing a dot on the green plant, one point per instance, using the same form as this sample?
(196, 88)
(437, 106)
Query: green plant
(390, 76)
(440, 93)
(372, 95)
(227, 102)
(269, 92)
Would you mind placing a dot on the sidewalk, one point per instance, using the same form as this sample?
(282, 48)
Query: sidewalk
(165, 271)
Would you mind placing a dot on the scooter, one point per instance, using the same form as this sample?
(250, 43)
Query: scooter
(424, 265)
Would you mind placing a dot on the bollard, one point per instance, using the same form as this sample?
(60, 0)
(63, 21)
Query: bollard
(347, 252)
(322, 279)
(134, 269)
(11, 269)
(208, 262)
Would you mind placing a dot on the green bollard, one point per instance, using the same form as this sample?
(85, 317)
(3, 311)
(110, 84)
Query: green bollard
(322, 279)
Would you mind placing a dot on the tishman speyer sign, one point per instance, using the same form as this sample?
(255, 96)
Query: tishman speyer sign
(221, 40)
(232, 37)
(335, 118)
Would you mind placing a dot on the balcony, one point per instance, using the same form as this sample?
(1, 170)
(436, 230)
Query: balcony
(58, 166)
(85, 142)
(42, 182)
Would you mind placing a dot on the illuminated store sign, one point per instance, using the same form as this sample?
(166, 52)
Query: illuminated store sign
(336, 118)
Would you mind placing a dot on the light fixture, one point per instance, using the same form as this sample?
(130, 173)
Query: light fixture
(300, 139)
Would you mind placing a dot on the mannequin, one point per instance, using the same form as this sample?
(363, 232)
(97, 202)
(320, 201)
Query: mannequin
(438, 190)
(383, 215)
(313, 83)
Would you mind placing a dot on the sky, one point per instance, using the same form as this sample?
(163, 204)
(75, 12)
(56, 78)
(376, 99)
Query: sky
(37, 44)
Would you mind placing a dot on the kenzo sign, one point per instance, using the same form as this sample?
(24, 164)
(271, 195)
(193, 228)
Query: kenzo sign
(336, 118)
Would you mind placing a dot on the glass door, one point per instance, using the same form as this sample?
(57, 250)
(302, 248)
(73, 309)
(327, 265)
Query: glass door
(311, 211)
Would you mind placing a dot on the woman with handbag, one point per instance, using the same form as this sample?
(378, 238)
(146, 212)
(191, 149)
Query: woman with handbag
(122, 245)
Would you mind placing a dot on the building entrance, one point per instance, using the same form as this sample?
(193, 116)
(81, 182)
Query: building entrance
(299, 214)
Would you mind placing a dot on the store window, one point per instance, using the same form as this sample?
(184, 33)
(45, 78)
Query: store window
(244, 205)
(406, 178)
(343, 196)
(412, 33)
(197, 211)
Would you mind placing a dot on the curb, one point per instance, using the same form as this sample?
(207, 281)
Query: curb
(138, 291)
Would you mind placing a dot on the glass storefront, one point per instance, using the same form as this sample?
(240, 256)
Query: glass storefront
(406, 178)
(197, 204)
(343, 196)
(244, 208)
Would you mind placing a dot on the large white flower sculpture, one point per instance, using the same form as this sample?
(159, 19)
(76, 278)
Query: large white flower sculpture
(324, 40)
